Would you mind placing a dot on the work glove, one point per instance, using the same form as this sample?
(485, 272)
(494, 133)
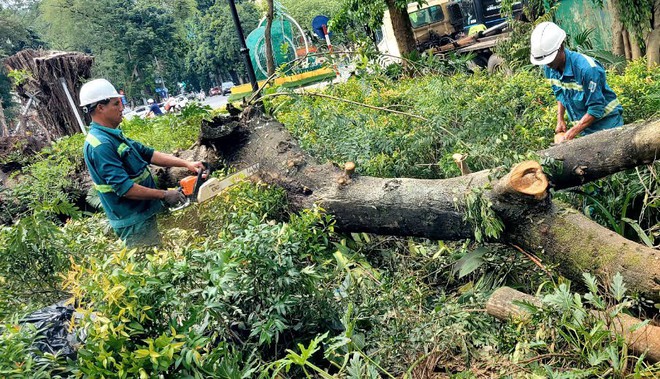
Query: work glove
(173, 197)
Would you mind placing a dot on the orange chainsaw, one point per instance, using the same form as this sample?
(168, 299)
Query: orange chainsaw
(199, 188)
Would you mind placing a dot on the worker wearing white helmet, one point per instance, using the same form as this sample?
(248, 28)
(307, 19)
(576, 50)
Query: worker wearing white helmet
(578, 82)
(154, 109)
(119, 168)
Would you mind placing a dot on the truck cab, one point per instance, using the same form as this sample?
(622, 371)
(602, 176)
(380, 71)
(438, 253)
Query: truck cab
(440, 22)
(433, 21)
(486, 12)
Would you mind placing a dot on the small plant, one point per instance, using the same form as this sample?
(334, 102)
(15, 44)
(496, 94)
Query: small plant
(19, 76)
(575, 331)
(480, 214)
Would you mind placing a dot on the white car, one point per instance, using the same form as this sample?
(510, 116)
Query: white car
(139, 111)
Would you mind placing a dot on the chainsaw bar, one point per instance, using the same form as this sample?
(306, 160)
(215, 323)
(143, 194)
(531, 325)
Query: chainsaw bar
(213, 186)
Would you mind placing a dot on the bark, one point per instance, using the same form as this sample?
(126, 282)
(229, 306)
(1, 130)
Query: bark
(653, 41)
(641, 340)
(635, 48)
(402, 28)
(617, 30)
(626, 44)
(4, 132)
(601, 154)
(270, 61)
(53, 110)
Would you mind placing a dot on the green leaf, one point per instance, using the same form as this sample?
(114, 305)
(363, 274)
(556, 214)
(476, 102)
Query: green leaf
(640, 232)
(469, 262)
(618, 287)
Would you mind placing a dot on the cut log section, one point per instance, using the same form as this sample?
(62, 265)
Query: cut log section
(525, 178)
(598, 155)
(641, 339)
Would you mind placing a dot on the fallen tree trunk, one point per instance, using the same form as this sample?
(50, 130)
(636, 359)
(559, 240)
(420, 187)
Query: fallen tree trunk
(641, 339)
(436, 208)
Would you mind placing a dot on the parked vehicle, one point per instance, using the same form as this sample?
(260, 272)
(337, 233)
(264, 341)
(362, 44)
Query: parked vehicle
(226, 87)
(139, 111)
(215, 91)
(453, 26)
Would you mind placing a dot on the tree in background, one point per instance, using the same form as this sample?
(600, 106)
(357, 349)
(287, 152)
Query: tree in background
(369, 13)
(16, 34)
(636, 29)
(131, 41)
(214, 46)
(270, 61)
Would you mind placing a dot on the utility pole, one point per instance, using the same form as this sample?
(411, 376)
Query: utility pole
(244, 49)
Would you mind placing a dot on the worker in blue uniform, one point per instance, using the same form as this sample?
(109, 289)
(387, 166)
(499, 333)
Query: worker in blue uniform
(578, 82)
(119, 168)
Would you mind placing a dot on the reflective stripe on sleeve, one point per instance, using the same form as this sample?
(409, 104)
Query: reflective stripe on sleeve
(610, 107)
(92, 140)
(559, 83)
(122, 148)
(144, 175)
(105, 188)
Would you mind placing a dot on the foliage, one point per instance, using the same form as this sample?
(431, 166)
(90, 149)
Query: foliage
(356, 16)
(19, 76)
(638, 90)
(134, 43)
(19, 358)
(242, 288)
(213, 42)
(16, 33)
(50, 177)
(480, 214)
(33, 253)
(573, 330)
(169, 132)
(637, 16)
(462, 113)
(178, 310)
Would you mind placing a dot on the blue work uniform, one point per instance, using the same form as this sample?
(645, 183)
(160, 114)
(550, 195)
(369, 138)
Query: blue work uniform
(115, 163)
(582, 88)
(155, 109)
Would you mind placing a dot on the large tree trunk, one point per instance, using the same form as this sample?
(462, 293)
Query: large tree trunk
(46, 68)
(617, 30)
(643, 339)
(436, 208)
(270, 61)
(4, 131)
(653, 41)
(402, 28)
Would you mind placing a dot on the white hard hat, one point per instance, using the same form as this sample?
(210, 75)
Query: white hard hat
(95, 91)
(150, 101)
(545, 42)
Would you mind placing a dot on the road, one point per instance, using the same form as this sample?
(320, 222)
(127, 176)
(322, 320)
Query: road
(215, 101)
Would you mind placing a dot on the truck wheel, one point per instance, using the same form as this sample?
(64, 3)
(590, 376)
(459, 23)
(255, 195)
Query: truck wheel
(496, 63)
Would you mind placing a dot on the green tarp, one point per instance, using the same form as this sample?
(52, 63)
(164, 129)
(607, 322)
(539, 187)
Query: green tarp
(282, 41)
(577, 16)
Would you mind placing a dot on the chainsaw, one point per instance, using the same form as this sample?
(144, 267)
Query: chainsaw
(199, 188)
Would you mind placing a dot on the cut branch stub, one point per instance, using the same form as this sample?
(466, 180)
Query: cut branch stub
(349, 168)
(459, 159)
